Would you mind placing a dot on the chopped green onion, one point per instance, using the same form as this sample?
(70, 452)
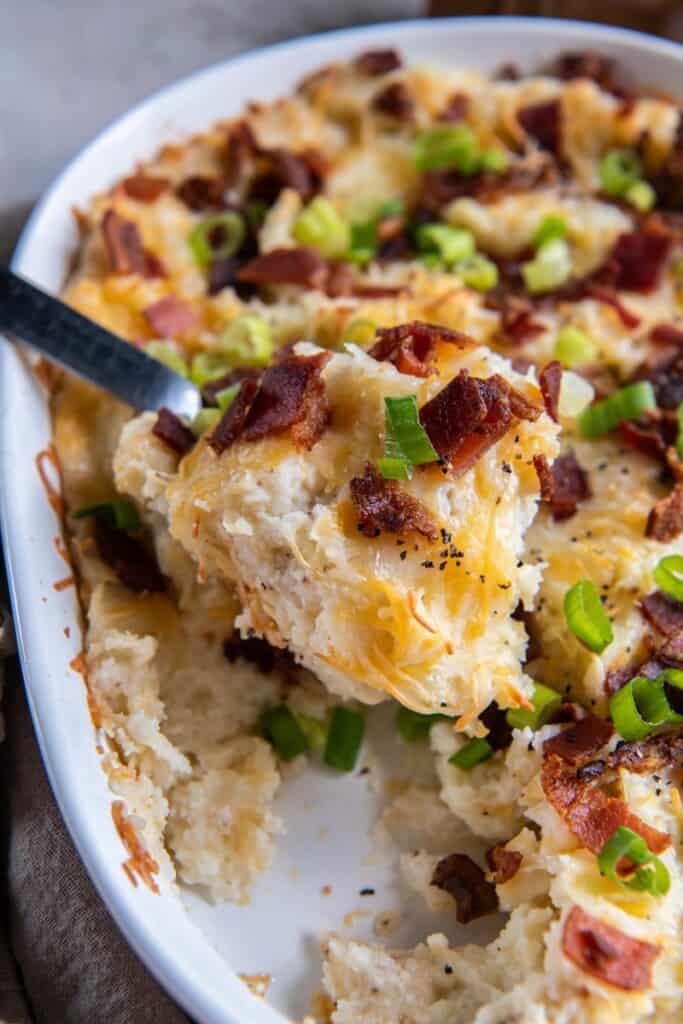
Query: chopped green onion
(642, 704)
(668, 576)
(586, 616)
(618, 170)
(641, 195)
(206, 419)
(405, 439)
(119, 512)
(394, 207)
(313, 729)
(280, 727)
(256, 212)
(452, 244)
(478, 272)
(321, 226)
(432, 261)
(217, 237)
(474, 752)
(360, 332)
(627, 403)
(650, 875)
(446, 147)
(344, 739)
(208, 366)
(494, 160)
(165, 352)
(413, 726)
(363, 244)
(226, 397)
(573, 347)
(248, 341)
(550, 268)
(679, 438)
(545, 703)
(551, 227)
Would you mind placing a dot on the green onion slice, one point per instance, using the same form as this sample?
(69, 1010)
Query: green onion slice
(545, 703)
(226, 397)
(628, 403)
(550, 268)
(322, 227)
(165, 352)
(573, 347)
(668, 576)
(360, 332)
(405, 439)
(641, 195)
(494, 160)
(281, 728)
(412, 726)
(313, 729)
(618, 170)
(551, 227)
(248, 341)
(344, 739)
(474, 752)
(206, 419)
(393, 207)
(586, 616)
(650, 874)
(642, 704)
(208, 366)
(449, 146)
(452, 244)
(478, 272)
(217, 237)
(119, 512)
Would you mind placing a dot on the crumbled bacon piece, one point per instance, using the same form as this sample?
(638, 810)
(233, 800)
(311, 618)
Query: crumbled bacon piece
(394, 101)
(667, 334)
(640, 257)
(543, 122)
(135, 567)
(520, 406)
(582, 740)
(231, 425)
(516, 315)
(653, 754)
(173, 432)
(644, 436)
(202, 193)
(412, 347)
(666, 617)
(608, 297)
(550, 379)
(563, 485)
(236, 376)
(466, 418)
(301, 266)
(125, 251)
(170, 316)
(503, 863)
(499, 734)
(301, 172)
(291, 397)
(441, 187)
(665, 521)
(619, 675)
(589, 64)
(666, 376)
(457, 106)
(668, 180)
(378, 62)
(144, 187)
(465, 881)
(606, 953)
(381, 505)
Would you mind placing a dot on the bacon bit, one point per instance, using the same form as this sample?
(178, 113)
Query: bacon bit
(608, 297)
(606, 953)
(291, 396)
(653, 754)
(381, 505)
(135, 567)
(378, 291)
(236, 376)
(582, 741)
(665, 521)
(640, 257)
(563, 485)
(441, 187)
(520, 405)
(170, 316)
(412, 347)
(140, 863)
(620, 675)
(666, 618)
(305, 267)
(302, 172)
(568, 712)
(68, 581)
(516, 315)
(202, 193)
(378, 62)
(667, 334)
(456, 109)
(666, 376)
(54, 493)
(590, 64)
(668, 181)
(125, 251)
(173, 432)
(231, 425)
(503, 863)
(144, 187)
(340, 279)
(394, 101)
(550, 379)
(543, 122)
(644, 436)
(466, 418)
(465, 881)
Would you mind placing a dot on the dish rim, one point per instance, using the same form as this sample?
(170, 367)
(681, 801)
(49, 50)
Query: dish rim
(205, 1001)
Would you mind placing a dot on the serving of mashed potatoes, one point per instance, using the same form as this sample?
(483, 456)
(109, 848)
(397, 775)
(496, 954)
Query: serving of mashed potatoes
(495, 262)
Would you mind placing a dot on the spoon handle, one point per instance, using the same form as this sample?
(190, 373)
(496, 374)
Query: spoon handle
(85, 348)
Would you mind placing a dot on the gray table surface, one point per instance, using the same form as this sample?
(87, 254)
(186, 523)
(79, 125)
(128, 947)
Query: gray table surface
(68, 67)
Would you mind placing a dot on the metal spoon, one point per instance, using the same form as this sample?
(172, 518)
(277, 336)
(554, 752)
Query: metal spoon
(85, 348)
